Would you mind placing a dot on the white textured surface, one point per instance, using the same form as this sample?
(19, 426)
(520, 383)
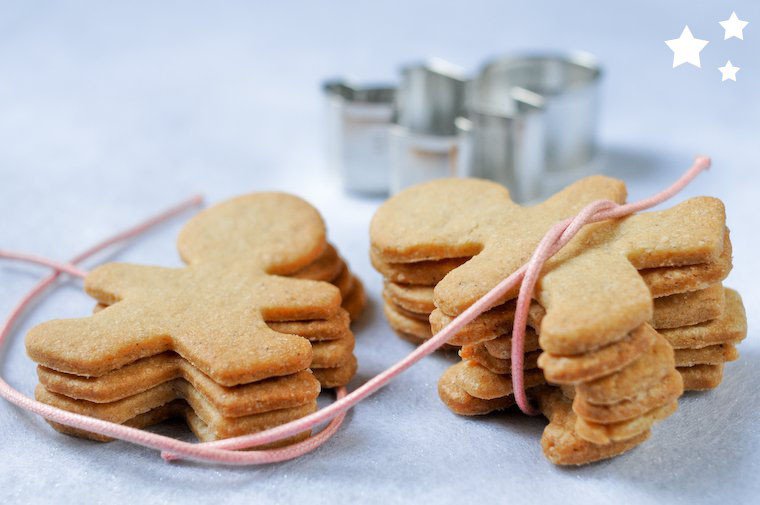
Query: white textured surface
(108, 114)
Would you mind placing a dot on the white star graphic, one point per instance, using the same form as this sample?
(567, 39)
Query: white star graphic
(729, 71)
(686, 48)
(734, 27)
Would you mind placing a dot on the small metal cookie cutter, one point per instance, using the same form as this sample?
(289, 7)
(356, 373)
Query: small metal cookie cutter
(423, 140)
(359, 117)
(531, 121)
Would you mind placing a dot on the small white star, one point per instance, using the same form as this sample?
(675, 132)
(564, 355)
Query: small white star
(686, 48)
(729, 71)
(734, 27)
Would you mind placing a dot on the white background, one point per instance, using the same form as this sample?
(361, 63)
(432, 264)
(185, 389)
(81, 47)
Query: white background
(109, 113)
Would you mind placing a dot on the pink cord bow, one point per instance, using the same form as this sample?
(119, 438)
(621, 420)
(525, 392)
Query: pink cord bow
(228, 451)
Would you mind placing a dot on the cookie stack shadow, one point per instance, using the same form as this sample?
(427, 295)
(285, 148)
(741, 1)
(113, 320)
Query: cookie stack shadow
(232, 386)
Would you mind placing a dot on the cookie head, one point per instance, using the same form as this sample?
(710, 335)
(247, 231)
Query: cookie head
(279, 233)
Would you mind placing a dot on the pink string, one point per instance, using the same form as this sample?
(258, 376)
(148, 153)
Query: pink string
(227, 451)
(66, 268)
(556, 238)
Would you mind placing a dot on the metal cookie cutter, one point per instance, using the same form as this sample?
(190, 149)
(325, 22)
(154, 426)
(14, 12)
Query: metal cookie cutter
(423, 142)
(359, 117)
(531, 121)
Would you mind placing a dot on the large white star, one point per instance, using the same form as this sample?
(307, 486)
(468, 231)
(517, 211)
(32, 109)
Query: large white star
(734, 27)
(729, 71)
(686, 48)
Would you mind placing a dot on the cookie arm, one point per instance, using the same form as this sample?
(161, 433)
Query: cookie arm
(95, 345)
(289, 299)
(250, 351)
(111, 282)
(591, 300)
(690, 233)
(466, 284)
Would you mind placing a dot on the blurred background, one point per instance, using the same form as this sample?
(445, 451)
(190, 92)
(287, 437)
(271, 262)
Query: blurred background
(226, 96)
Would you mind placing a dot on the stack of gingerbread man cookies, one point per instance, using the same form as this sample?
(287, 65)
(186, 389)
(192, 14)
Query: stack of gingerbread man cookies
(239, 340)
(608, 309)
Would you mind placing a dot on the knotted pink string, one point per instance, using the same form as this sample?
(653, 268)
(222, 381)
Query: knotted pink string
(226, 451)
(554, 240)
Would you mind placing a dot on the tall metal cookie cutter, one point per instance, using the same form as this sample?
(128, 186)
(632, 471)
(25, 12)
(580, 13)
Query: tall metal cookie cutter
(358, 122)
(423, 140)
(531, 120)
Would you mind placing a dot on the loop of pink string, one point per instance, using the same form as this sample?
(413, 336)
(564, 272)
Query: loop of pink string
(556, 238)
(226, 451)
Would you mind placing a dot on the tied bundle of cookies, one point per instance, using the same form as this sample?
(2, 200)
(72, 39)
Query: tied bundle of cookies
(590, 327)
(239, 340)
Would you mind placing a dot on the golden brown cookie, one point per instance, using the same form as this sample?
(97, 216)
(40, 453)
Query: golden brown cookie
(609, 433)
(463, 403)
(730, 327)
(594, 295)
(332, 339)
(332, 353)
(425, 273)
(665, 391)
(424, 317)
(701, 377)
(501, 347)
(685, 309)
(666, 281)
(325, 268)
(481, 383)
(480, 355)
(412, 339)
(710, 355)
(642, 374)
(449, 218)
(338, 376)
(560, 442)
(333, 328)
(315, 330)
(598, 363)
(406, 325)
(176, 409)
(410, 297)
(138, 326)
(206, 433)
(489, 325)
(219, 427)
(147, 373)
